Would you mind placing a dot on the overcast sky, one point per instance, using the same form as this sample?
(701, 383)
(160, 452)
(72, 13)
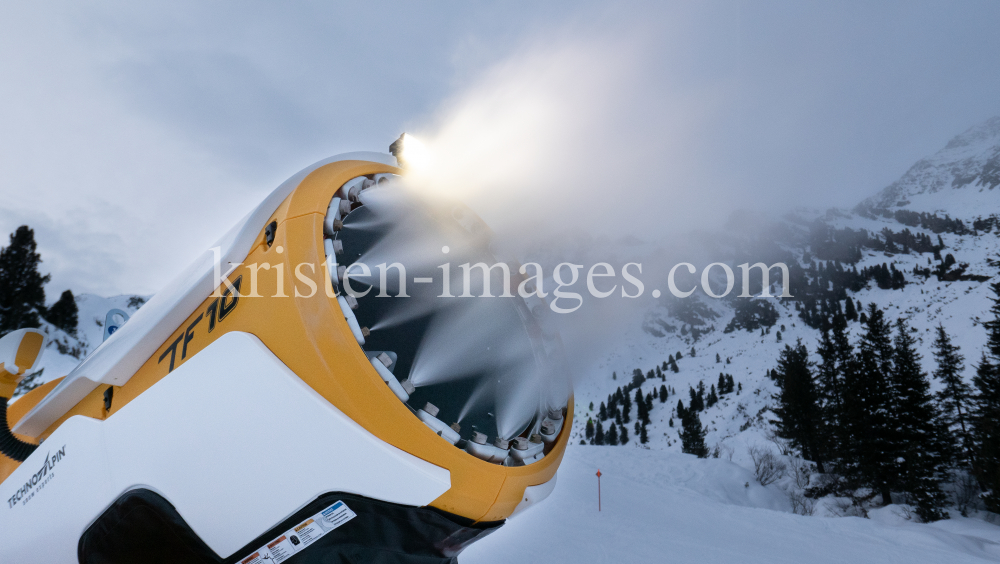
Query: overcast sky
(135, 133)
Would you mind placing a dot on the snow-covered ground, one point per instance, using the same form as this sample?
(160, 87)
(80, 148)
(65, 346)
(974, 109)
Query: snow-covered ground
(667, 507)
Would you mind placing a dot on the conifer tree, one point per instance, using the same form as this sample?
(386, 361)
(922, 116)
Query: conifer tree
(649, 405)
(642, 414)
(626, 408)
(869, 428)
(22, 292)
(850, 313)
(599, 434)
(63, 313)
(611, 437)
(697, 403)
(623, 435)
(918, 434)
(603, 413)
(718, 358)
(673, 366)
(664, 367)
(986, 410)
(643, 435)
(680, 408)
(590, 429)
(954, 398)
(663, 393)
(797, 411)
(836, 362)
(712, 397)
(986, 430)
(637, 377)
(693, 434)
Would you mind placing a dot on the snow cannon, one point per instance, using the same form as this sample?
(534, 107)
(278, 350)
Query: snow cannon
(330, 382)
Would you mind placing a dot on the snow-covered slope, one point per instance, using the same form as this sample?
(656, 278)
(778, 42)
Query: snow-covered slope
(665, 507)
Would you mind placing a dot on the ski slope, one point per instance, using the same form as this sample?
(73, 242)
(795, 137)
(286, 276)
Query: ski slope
(667, 507)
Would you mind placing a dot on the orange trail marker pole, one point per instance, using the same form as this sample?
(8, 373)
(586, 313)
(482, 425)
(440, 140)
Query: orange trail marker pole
(598, 489)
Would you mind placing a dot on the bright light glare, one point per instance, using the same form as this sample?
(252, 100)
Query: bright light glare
(415, 154)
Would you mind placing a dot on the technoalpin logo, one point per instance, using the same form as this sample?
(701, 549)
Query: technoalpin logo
(38, 480)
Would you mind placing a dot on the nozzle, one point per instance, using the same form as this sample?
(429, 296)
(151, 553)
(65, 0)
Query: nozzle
(429, 416)
(408, 386)
(381, 363)
(431, 409)
(344, 207)
(359, 332)
(526, 451)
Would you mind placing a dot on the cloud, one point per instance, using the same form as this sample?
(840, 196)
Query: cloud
(149, 129)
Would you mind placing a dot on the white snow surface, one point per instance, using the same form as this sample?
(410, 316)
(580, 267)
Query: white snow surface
(667, 507)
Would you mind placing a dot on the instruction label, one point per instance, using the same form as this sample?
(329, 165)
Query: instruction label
(302, 535)
(335, 516)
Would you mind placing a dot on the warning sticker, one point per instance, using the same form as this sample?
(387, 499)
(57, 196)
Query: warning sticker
(302, 535)
(335, 516)
(308, 532)
(281, 549)
(253, 559)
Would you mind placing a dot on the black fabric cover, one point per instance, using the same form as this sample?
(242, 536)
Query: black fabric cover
(142, 527)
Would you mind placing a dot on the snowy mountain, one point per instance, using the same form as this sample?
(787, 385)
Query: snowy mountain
(957, 180)
(947, 198)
